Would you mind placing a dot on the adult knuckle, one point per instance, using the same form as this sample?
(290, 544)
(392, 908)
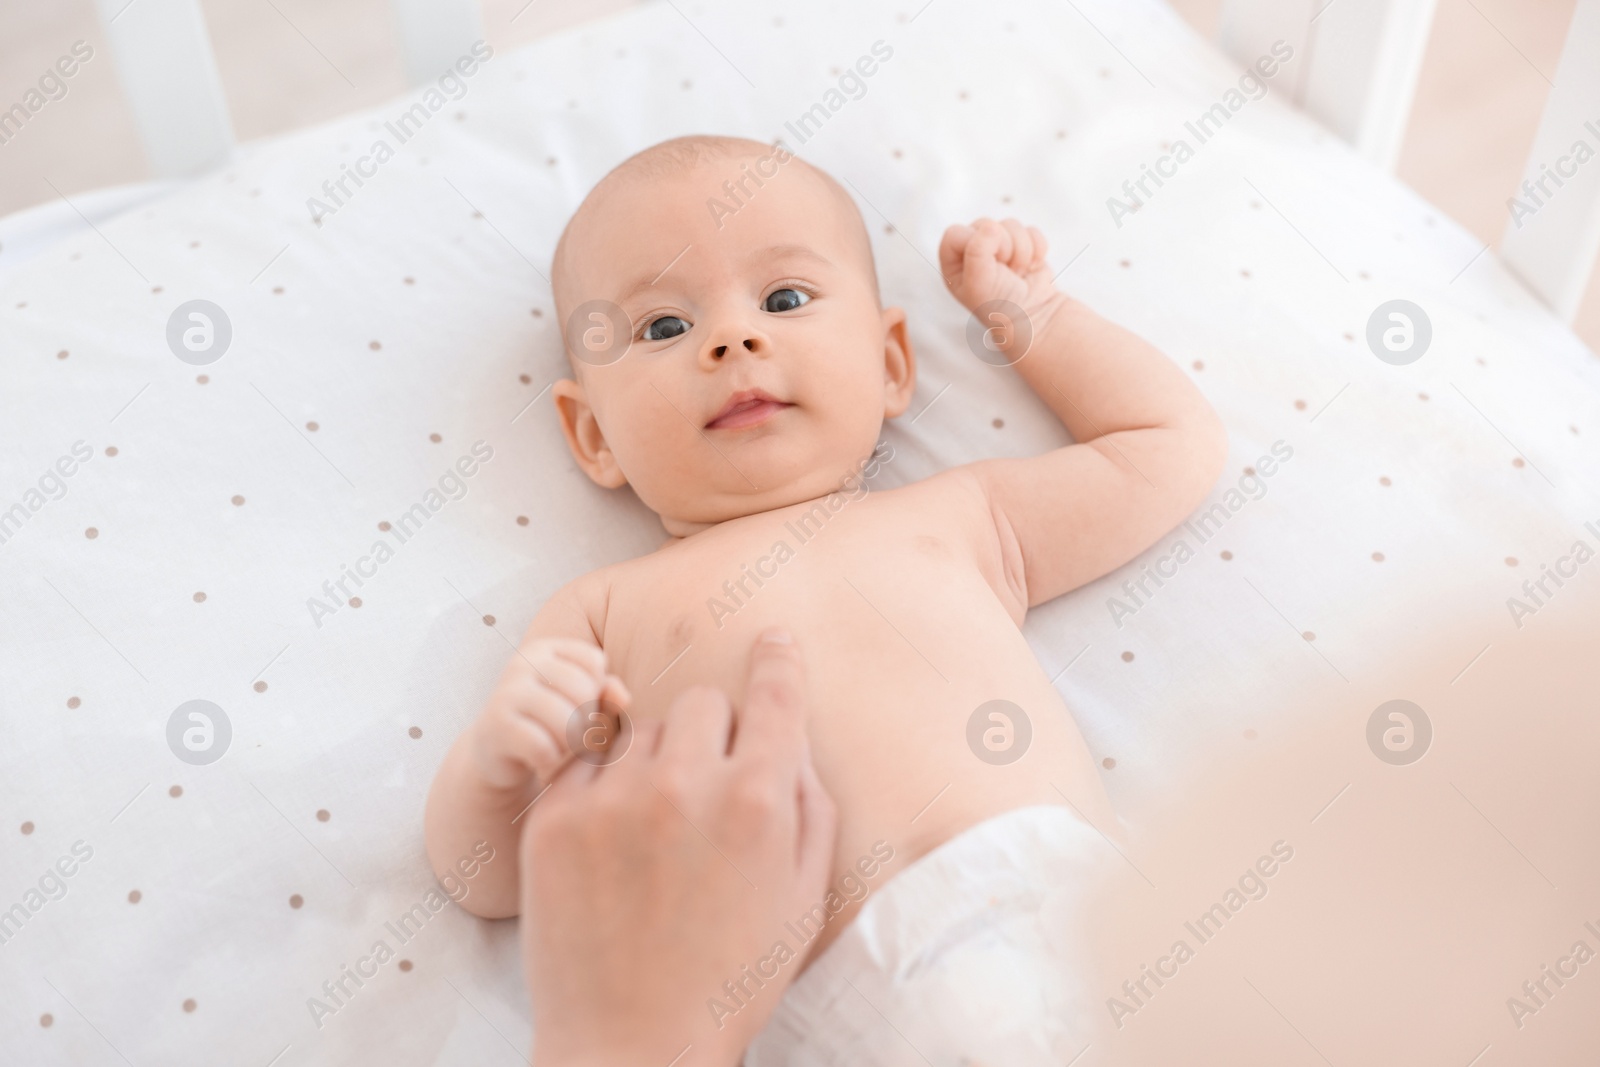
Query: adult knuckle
(674, 783)
(754, 797)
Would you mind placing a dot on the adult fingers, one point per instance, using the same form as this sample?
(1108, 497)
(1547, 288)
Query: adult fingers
(647, 738)
(566, 784)
(816, 834)
(772, 723)
(696, 728)
(616, 692)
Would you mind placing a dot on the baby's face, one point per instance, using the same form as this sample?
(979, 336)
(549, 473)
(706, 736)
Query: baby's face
(761, 365)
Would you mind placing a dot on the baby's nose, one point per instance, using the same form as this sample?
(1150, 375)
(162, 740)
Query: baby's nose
(750, 344)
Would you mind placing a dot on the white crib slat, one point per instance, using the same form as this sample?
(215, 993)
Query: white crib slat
(1247, 29)
(1357, 61)
(436, 33)
(1553, 235)
(169, 78)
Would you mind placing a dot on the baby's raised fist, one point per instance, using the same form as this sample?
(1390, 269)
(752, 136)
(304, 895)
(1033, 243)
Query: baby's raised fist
(991, 260)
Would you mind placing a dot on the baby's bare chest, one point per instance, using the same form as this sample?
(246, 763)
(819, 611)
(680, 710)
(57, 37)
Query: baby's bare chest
(867, 589)
(906, 634)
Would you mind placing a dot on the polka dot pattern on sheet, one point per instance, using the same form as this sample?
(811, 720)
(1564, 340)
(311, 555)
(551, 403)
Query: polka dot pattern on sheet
(1270, 354)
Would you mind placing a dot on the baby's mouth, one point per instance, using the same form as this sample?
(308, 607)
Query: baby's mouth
(750, 407)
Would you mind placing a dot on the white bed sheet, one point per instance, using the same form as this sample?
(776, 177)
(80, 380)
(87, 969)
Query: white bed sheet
(420, 309)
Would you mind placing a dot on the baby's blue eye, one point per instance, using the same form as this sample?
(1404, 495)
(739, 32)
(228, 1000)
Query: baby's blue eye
(784, 300)
(665, 327)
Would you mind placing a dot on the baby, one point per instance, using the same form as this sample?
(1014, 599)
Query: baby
(743, 407)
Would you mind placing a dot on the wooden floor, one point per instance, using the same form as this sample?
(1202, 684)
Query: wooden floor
(294, 62)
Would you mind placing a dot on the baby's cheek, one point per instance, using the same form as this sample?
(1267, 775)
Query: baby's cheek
(649, 437)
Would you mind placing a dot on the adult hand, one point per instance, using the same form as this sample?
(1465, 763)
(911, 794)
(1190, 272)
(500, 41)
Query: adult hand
(649, 883)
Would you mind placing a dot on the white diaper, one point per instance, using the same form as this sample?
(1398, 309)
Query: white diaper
(969, 956)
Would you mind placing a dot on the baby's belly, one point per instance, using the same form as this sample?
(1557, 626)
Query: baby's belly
(929, 712)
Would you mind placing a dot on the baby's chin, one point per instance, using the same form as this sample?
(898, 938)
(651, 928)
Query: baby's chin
(693, 517)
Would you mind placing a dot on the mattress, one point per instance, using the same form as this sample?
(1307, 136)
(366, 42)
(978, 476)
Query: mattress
(192, 508)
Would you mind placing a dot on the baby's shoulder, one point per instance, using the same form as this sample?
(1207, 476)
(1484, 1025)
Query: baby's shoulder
(955, 494)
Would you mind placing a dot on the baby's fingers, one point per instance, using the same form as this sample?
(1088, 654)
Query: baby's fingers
(952, 250)
(1022, 251)
(616, 692)
(560, 676)
(536, 749)
(993, 241)
(516, 746)
(1041, 247)
(589, 656)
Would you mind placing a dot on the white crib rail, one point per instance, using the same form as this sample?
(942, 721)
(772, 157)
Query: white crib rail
(169, 78)
(169, 73)
(1358, 67)
(1359, 60)
(1553, 235)
(436, 33)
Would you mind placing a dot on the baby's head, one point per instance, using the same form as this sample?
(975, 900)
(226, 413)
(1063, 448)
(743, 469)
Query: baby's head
(762, 362)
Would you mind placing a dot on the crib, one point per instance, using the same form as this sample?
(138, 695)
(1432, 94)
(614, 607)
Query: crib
(1359, 78)
(184, 518)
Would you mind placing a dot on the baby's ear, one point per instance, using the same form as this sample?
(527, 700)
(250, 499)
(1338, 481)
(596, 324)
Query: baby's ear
(899, 364)
(583, 435)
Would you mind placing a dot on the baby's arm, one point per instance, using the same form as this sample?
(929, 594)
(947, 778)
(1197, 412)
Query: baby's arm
(504, 759)
(1148, 447)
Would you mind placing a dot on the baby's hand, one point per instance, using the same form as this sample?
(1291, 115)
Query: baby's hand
(523, 729)
(997, 261)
